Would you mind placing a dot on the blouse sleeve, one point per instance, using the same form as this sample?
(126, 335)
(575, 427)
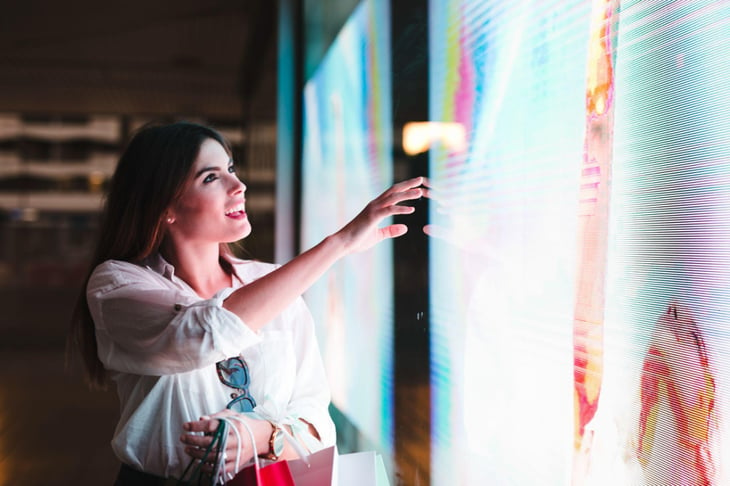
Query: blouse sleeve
(311, 395)
(145, 325)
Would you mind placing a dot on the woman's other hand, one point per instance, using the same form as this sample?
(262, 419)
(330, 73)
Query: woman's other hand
(197, 444)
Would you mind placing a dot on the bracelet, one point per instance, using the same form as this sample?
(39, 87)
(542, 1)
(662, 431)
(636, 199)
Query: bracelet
(276, 444)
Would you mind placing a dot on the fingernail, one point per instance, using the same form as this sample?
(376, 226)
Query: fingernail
(186, 426)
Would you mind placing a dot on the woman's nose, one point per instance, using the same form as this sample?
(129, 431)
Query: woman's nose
(238, 186)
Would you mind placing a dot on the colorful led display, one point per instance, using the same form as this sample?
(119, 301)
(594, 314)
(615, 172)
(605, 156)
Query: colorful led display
(580, 258)
(347, 161)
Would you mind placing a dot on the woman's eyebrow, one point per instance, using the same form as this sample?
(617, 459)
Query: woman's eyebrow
(212, 168)
(206, 169)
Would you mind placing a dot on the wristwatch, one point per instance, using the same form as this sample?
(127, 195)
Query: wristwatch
(276, 443)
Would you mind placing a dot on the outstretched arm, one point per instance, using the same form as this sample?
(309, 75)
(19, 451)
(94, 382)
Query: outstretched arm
(262, 300)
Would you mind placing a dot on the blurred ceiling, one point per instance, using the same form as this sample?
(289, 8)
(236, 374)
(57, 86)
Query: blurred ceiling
(209, 58)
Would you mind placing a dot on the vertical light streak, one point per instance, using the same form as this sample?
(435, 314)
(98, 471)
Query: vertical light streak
(593, 226)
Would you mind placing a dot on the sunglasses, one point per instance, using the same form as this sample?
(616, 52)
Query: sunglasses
(233, 372)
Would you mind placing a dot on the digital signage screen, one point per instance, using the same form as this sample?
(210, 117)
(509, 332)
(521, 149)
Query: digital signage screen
(580, 265)
(347, 161)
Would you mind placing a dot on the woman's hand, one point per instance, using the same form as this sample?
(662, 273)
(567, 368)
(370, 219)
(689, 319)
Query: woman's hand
(197, 444)
(363, 232)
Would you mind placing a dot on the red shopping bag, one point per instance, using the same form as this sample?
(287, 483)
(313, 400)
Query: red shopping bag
(316, 469)
(274, 474)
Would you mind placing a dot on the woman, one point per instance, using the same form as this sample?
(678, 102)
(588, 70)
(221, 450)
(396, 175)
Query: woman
(186, 330)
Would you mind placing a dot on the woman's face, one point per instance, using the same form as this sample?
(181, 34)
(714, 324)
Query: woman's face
(211, 208)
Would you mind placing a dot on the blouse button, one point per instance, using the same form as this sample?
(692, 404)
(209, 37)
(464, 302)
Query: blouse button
(178, 307)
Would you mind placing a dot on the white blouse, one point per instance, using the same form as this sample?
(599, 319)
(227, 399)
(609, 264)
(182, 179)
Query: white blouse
(160, 342)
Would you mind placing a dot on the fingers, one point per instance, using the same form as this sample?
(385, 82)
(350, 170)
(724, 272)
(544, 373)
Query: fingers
(196, 440)
(388, 204)
(205, 424)
(420, 184)
(197, 449)
(395, 209)
(378, 214)
(401, 196)
(407, 190)
(200, 453)
(405, 185)
(362, 233)
(197, 444)
(394, 231)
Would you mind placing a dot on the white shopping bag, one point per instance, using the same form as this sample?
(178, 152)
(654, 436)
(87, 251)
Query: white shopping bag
(361, 469)
(328, 468)
(322, 469)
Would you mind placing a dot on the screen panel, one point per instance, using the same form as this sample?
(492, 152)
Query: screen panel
(667, 299)
(579, 259)
(347, 161)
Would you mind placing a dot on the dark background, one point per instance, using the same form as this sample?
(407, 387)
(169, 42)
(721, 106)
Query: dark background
(67, 66)
(62, 66)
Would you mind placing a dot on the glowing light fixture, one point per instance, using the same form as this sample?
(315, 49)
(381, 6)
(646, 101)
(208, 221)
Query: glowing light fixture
(418, 136)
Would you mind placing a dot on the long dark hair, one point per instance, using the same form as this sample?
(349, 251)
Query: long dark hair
(149, 177)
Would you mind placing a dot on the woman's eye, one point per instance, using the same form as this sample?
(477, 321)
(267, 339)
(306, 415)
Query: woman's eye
(209, 178)
(231, 169)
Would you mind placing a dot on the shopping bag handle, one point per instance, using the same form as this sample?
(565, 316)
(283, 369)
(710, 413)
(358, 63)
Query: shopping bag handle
(295, 444)
(301, 452)
(257, 464)
(219, 439)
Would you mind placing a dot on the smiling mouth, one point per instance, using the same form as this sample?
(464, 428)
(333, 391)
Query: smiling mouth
(237, 210)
